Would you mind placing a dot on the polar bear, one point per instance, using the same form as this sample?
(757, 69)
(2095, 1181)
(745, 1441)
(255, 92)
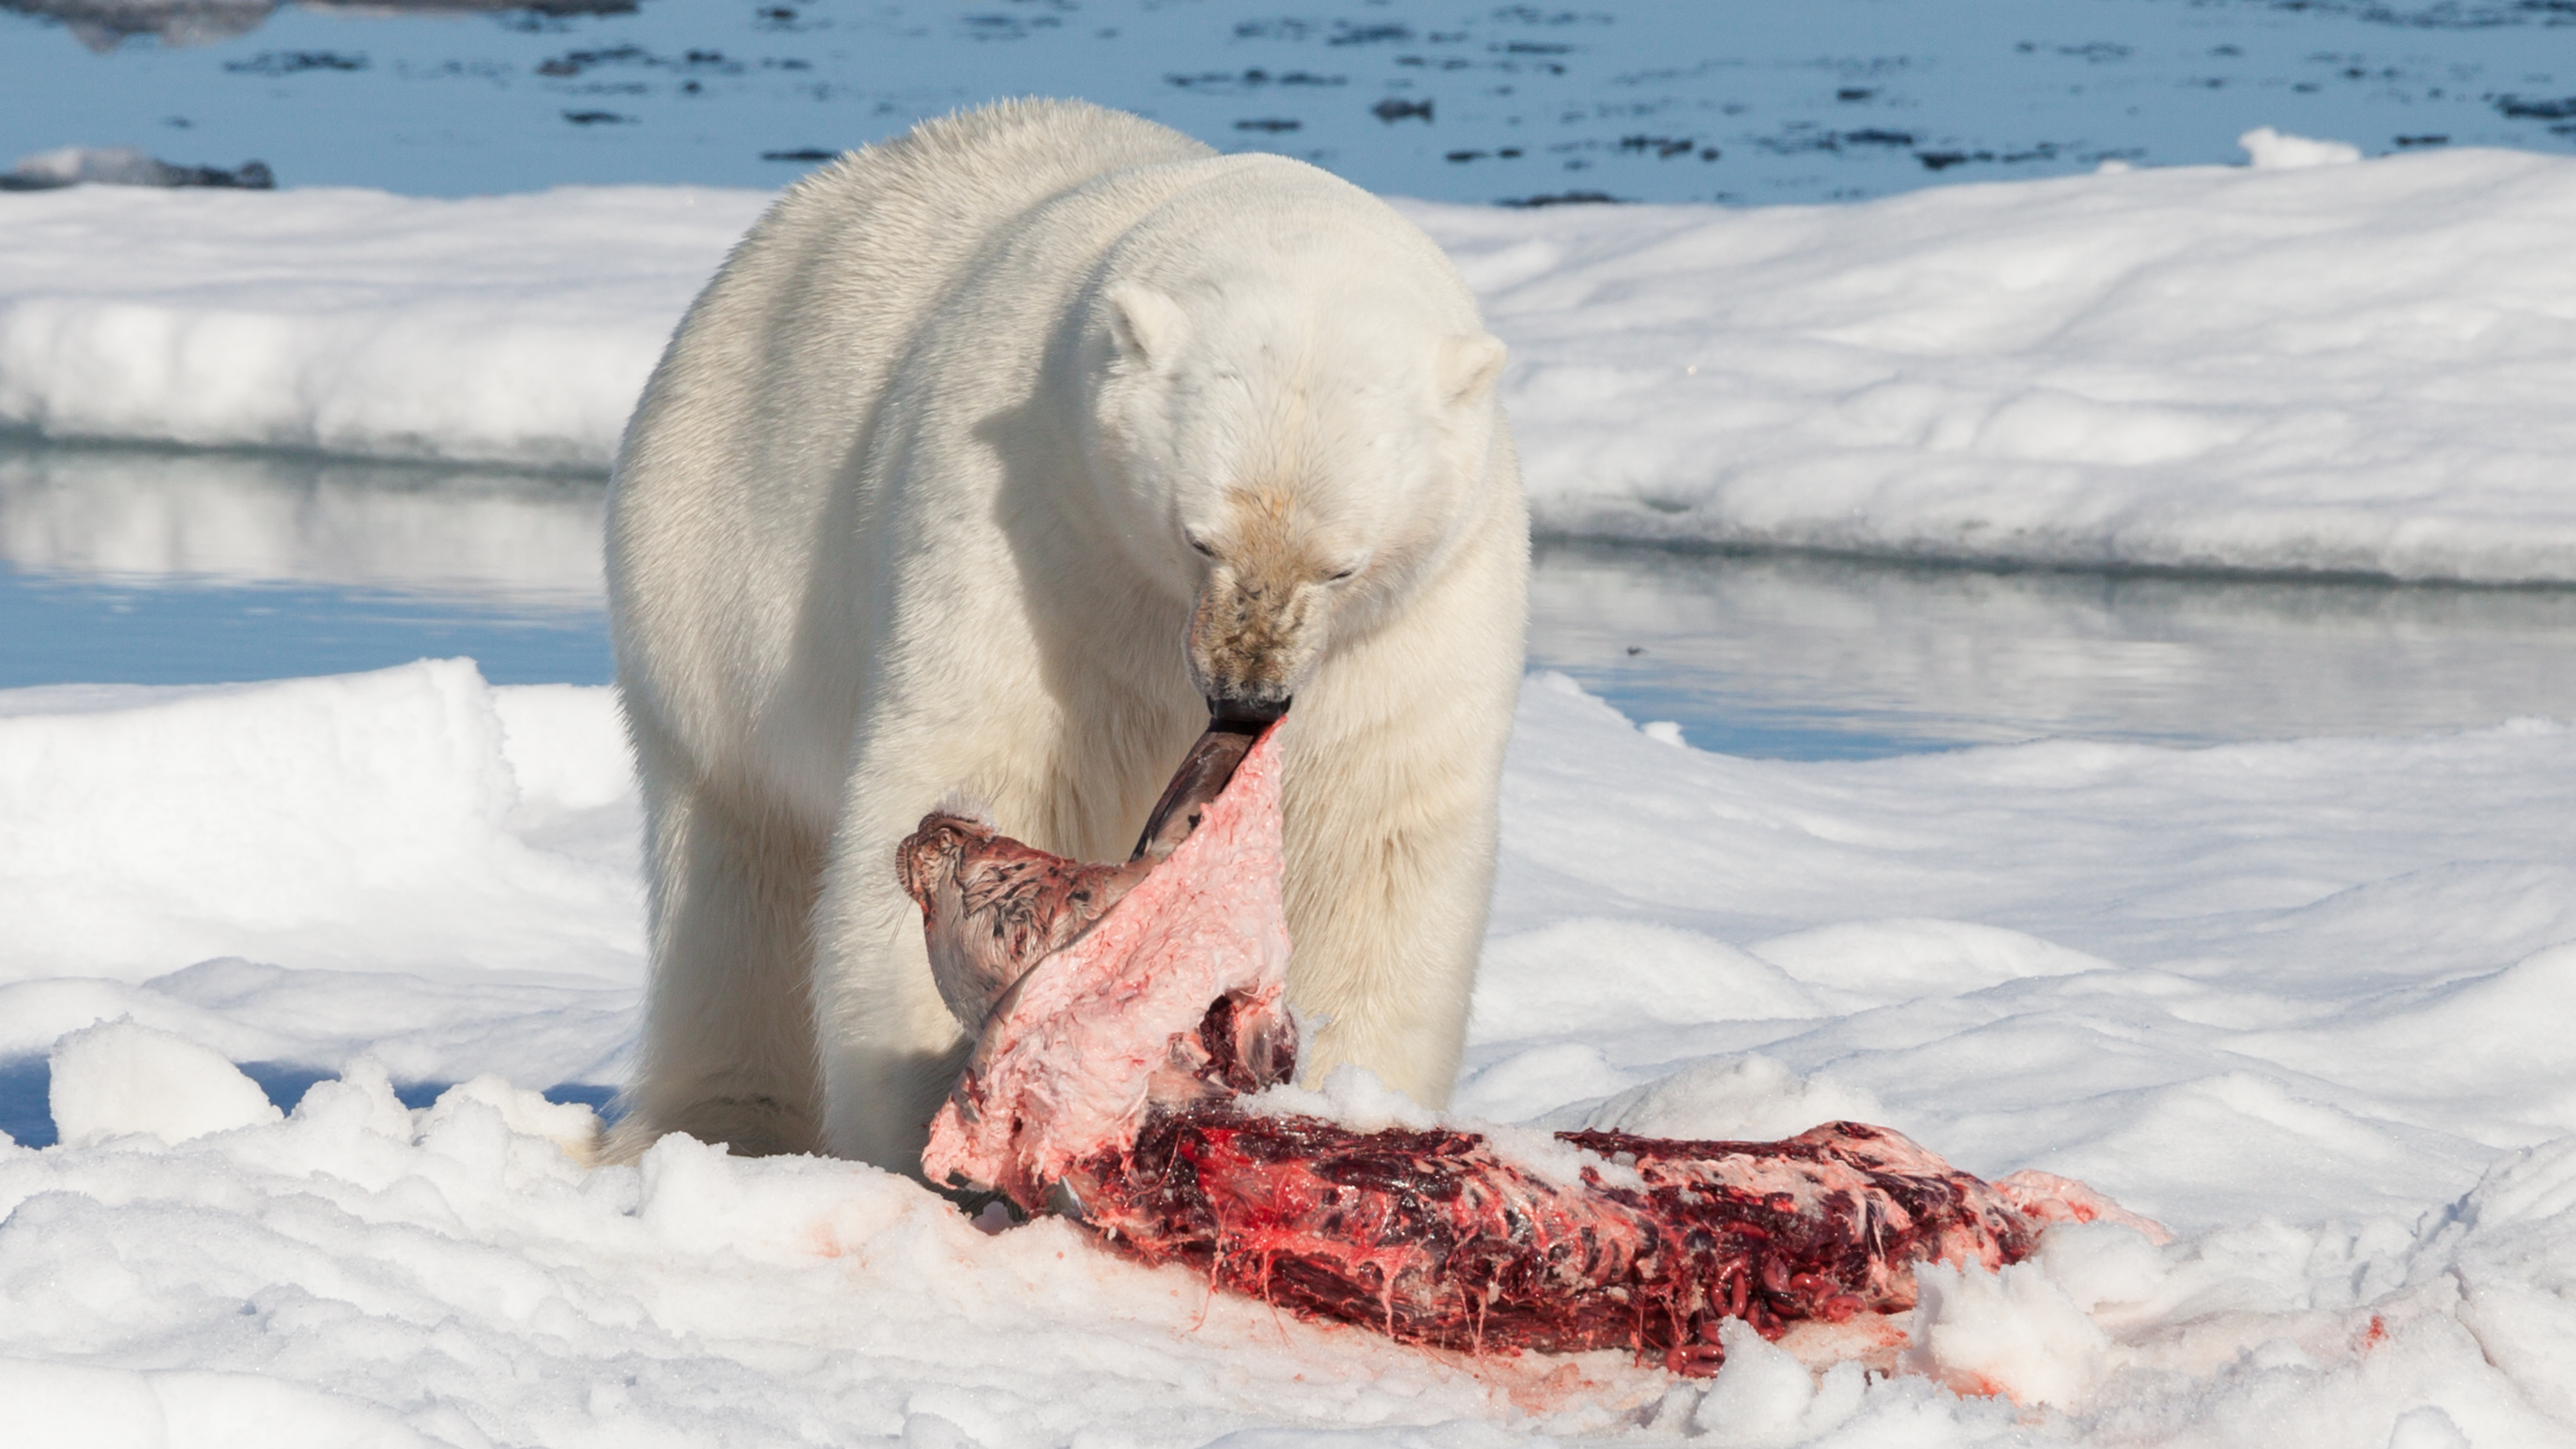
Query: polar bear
(991, 462)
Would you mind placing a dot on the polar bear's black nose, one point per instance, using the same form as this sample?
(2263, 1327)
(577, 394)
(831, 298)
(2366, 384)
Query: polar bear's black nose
(1224, 711)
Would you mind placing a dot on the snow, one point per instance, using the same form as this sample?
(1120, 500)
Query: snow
(1765, 1397)
(378, 822)
(307, 986)
(2338, 368)
(2265, 147)
(1980, 1331)
(2297, 1000)
(515, 328)
(119, 1078)
(2289, 366)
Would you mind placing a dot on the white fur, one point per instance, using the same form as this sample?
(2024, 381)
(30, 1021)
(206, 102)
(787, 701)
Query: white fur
(988, 454)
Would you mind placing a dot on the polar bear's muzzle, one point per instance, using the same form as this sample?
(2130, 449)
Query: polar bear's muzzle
(1253, 640)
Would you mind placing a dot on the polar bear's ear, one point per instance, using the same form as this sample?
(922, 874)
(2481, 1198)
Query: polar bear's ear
(1467, 367)
(1144, 323)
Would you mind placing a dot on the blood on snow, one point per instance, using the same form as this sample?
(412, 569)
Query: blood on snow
(1130, 1017)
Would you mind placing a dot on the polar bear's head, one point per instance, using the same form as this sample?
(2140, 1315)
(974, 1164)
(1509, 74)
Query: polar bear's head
(1295, 448)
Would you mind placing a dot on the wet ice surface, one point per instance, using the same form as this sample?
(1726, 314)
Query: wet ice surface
(144, 566)
(1806, 657)
(198, 631)
(1733, 101)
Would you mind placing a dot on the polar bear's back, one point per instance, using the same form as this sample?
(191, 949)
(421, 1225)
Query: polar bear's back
(844, 270)
(827, 290)
(762, 405)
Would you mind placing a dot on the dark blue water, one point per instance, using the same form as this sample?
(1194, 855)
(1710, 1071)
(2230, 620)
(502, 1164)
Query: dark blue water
(1658, 100)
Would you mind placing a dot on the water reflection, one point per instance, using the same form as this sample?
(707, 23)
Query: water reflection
(1813, 657)
(134, 566)
(129, 566)
(137, 515)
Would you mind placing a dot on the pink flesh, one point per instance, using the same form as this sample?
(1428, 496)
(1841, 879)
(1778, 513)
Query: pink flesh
(1091, 1034)
(1105, 1076)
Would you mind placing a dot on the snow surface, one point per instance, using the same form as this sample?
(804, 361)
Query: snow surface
(2297, 365)
(513, 328)
(2305, 1002)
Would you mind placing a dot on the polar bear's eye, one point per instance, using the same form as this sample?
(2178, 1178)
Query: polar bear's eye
(1200, 545)
(1339, 575)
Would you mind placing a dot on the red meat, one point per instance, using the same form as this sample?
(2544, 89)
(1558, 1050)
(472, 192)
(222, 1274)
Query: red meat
(1113, 1076)
(1434, 1237)
(1171, 1000)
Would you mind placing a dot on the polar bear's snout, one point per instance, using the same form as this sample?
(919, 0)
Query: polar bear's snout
(1254, 637)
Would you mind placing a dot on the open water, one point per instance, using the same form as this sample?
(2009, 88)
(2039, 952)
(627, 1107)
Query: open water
(1754, 101)
(169, 567)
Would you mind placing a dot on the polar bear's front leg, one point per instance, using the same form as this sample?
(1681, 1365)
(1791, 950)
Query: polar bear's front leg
(890, 1047)
(1390, 870)
(728, 1048)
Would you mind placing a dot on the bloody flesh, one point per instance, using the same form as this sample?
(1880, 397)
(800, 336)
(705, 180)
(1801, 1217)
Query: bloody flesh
(1433, 1237)
(1126, 1012)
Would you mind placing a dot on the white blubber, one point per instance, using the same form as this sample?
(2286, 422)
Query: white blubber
(121, 1079)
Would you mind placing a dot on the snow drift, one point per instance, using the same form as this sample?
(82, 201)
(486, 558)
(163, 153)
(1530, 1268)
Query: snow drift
(509, 328)
(410, 820)
(2341, 368)
(2301, 1001)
